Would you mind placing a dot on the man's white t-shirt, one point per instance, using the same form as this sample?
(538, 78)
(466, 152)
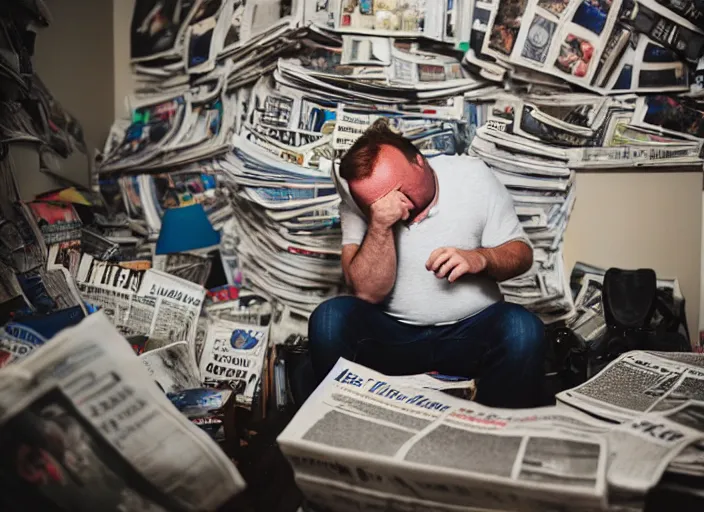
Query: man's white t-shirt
(473, 210)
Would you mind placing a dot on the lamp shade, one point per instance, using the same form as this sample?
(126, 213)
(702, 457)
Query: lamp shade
(186, 229)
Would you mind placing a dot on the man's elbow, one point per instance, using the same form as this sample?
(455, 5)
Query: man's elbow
(526, 260)
(523, 262)
(372, 298)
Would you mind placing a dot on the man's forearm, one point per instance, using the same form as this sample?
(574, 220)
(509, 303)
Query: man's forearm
(372, 272)
(508, 260)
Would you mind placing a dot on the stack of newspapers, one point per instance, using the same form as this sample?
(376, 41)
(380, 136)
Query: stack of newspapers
(246, 108)
(84, 416)
(367, 441)
(250, 105)
(589, 323)
(31, 118)
(290, 141)
(592, 85)
(88, 418)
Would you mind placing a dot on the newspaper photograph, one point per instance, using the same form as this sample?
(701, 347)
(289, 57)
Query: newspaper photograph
(413, 18)
(89, 432)
(669, 115)
(58, 222)
(647, 66)
(560, 38)
(66, 255)
(157, 28)
(668, 28)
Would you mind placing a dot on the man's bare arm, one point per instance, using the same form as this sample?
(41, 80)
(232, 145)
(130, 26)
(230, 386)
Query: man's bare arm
(508, 260)
(501, 263)
(370, 268)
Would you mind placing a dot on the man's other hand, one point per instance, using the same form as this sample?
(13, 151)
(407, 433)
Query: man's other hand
(390, 209)
(454, 263)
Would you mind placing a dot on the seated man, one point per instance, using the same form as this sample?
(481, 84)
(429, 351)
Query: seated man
(423, 248)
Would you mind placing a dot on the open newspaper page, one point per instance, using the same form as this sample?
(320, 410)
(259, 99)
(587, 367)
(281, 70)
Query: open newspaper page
(639, 382)
(166, 307)
(106, 436)
(398, 437)
(234, 355)
(361, 429)
(109, 286)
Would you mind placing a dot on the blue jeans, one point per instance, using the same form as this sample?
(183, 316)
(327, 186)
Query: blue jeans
(503, 347)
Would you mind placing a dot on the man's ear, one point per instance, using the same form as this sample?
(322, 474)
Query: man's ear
(420, 160)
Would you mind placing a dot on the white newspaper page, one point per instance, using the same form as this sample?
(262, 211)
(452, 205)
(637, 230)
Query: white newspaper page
(166, 307)
(635, 383)
(234, 354)
(108, 437)
(108, 286)
(361, 428)
(172, 367)
(341, 497)
(646, 446)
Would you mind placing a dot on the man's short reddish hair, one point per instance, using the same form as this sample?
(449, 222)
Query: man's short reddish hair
(360, 159)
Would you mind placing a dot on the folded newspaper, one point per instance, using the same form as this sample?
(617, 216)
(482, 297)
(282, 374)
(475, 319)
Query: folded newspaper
(84, 427)
(380, 439)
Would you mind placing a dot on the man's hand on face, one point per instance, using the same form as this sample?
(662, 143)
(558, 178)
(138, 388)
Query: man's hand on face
(388, 210)
(454, 263)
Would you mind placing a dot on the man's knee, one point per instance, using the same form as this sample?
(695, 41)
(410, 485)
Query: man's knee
(330, 321)
(524, 333)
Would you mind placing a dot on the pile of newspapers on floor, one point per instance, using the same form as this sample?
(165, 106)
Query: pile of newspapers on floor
(367, 441)
(589, 324)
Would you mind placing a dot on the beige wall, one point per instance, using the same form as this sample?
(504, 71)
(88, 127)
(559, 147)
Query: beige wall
(122, 19)
(641, 220)
(74, 57)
